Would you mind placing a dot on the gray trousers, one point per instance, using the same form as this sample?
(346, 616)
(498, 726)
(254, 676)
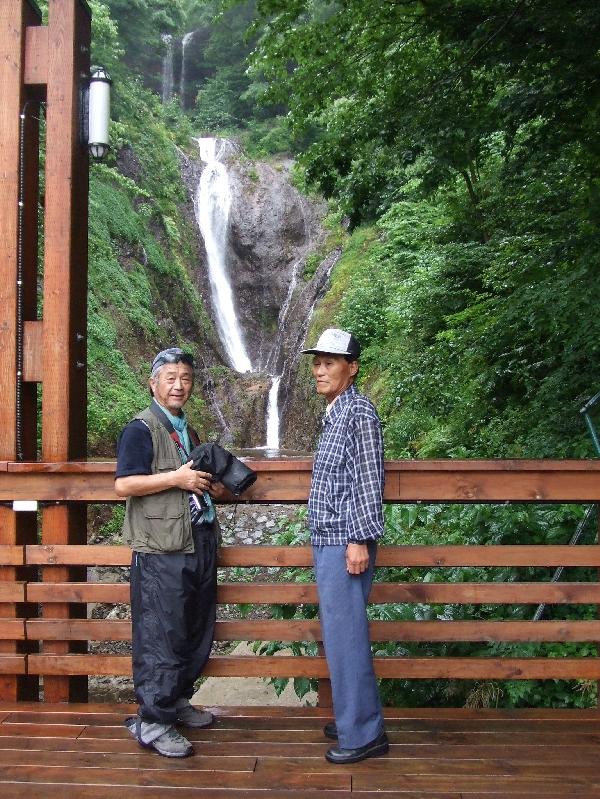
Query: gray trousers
(173, 608)
(343, 614)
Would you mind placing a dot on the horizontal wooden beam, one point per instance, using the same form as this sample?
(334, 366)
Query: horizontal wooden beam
(289, 481)
(66, 665)
(250, 555)
(310, 630)
(77, 555)
(78, 629)
(112, 593)
(492, 555)
(425, 556)
(12, 664)
(387, 668)
(426, 593)
(306, 593)
(12, 555)
(12, 591)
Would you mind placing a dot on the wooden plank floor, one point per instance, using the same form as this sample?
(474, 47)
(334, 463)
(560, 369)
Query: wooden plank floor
(84, 751)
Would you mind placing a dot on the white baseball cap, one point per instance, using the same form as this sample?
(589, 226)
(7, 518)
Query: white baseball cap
(336, 342)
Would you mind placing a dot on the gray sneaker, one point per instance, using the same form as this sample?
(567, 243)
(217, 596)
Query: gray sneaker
(163, 738)
(191, 716)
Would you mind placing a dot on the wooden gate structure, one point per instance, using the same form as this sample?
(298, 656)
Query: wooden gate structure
(44, 592)
(43, 68)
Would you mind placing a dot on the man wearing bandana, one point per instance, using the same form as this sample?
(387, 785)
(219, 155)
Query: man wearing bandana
(171, 527)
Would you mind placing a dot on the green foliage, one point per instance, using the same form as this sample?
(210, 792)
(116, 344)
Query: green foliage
(482, 524)
(129, 269)
(228, 99)
(216, 105)
(478, 349)
(335, 239)
(110, 529)
(310, 265)
(403, 90)
(262, 138)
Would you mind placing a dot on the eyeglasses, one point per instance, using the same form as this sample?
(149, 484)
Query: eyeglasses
(172, 355)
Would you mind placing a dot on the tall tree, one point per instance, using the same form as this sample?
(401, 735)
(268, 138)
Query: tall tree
(392, 82)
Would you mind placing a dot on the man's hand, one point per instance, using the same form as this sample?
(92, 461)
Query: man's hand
(357, 558)
(185, 478)
(188, 479)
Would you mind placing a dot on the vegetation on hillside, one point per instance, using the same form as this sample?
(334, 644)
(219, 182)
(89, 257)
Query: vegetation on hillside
(141, 291)
(463, 133)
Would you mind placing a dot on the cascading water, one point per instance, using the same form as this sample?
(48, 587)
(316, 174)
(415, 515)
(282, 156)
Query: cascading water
(184, 43)
(212, 205)
(274, 355)
(167, 68)
(273, 415)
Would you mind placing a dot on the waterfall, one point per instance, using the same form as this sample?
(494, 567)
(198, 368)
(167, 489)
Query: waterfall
(273, 415)
(272, 360)
(184, 44)
(212, 204)
(167, 68)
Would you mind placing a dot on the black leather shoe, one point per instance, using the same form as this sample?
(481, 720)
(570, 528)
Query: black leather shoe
(330, 730)
(377, 747)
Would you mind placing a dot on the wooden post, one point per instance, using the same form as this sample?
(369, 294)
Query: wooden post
(64, 393)
(19, 166)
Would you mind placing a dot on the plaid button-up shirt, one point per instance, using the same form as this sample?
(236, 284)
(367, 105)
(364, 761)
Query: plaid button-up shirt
(345, 501)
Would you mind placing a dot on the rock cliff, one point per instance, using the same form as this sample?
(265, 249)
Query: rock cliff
(273, 229)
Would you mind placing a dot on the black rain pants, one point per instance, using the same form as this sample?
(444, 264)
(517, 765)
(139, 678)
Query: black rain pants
(173, 610)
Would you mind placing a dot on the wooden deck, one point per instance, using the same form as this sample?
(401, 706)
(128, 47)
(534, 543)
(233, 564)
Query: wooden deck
(84, 751)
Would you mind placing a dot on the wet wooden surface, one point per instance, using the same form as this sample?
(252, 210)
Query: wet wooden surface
(85, 751)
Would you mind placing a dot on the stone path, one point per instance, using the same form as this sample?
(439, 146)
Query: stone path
(247, 690)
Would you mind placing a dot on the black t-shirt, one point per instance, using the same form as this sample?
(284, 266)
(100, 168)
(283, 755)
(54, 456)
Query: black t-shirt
(134, 450)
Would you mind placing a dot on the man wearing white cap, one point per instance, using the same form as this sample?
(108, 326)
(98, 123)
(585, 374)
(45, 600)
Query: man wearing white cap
(346, 520)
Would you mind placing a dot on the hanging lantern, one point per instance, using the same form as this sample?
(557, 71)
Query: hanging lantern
(98, 112)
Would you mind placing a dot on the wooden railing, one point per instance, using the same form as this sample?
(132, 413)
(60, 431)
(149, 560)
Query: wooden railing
(30, 639)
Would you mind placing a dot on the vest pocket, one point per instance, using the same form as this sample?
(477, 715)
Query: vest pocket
(164, 522)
